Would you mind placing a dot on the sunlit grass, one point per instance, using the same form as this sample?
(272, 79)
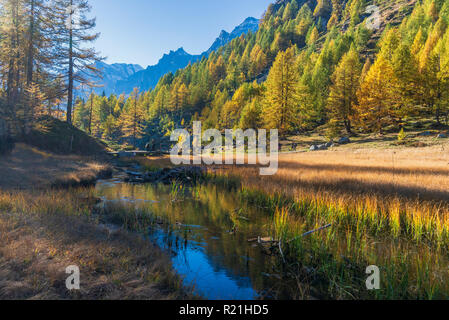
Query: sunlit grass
(42, 232)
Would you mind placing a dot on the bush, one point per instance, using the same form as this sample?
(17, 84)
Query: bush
(333, 130)
(402, 135)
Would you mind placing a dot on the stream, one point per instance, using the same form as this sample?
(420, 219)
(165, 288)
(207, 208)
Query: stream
(206, 233)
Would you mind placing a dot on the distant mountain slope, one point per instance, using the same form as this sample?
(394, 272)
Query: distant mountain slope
(122, 78)
(111, 74)
(148, 78)
(250, 24)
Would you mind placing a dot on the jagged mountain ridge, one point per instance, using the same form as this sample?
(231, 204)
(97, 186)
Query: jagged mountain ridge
(111, 74)
(117, 81)
(250, 24)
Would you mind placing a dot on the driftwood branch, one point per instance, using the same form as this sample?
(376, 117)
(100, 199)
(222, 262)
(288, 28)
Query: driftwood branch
(280, 250)
(311, 232)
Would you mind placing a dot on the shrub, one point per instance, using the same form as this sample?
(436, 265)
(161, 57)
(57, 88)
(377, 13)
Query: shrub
(402, 135)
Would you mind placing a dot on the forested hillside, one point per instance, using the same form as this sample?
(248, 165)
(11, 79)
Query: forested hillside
(311, 64)
(44, 51)
(148, 78)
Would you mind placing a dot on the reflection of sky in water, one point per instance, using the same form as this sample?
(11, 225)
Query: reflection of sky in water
(210, 280)
(200, 268)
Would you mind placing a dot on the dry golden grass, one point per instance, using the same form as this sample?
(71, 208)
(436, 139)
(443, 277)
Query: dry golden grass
(415, 173)
(410, 172)
(405, 188)
(43, 233)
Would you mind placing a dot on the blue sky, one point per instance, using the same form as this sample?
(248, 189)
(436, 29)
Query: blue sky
(141, 31)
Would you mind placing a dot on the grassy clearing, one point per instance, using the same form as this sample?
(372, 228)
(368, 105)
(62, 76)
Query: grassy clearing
(41, 233)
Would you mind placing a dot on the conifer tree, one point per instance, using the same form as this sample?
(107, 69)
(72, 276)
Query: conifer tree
(72, 30)
(376, 96)
(133, 118)
(281, 101)
(365, 69)
(343, 92)
(313, 36)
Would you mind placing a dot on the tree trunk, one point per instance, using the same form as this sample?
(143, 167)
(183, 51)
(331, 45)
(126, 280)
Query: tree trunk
(348, 126)
(30, 60)
(70, 88)
(135, 123)
(438, 115)
(91, 110)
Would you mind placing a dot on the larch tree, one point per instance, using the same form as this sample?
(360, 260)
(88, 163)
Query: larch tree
(25, 59)
(133, 118)
(434, 69)
(281, 100)
(73, 31)
(251, 115)
(12, 44)
(376, 96)
(343, 92)
(365, 69)
(178, 100)
(436, 79)
(313, 36)
(406, 80)
(38, 47)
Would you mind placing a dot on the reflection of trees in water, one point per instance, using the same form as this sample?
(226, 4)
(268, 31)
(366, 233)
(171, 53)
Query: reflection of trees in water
(225, 252)
(208, 219)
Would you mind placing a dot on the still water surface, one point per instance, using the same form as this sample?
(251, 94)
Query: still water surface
(207, 232)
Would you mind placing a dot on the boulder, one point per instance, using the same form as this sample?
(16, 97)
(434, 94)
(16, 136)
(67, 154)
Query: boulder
(344, 140)
(442, 136)
(322, 147)
(330, 144)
